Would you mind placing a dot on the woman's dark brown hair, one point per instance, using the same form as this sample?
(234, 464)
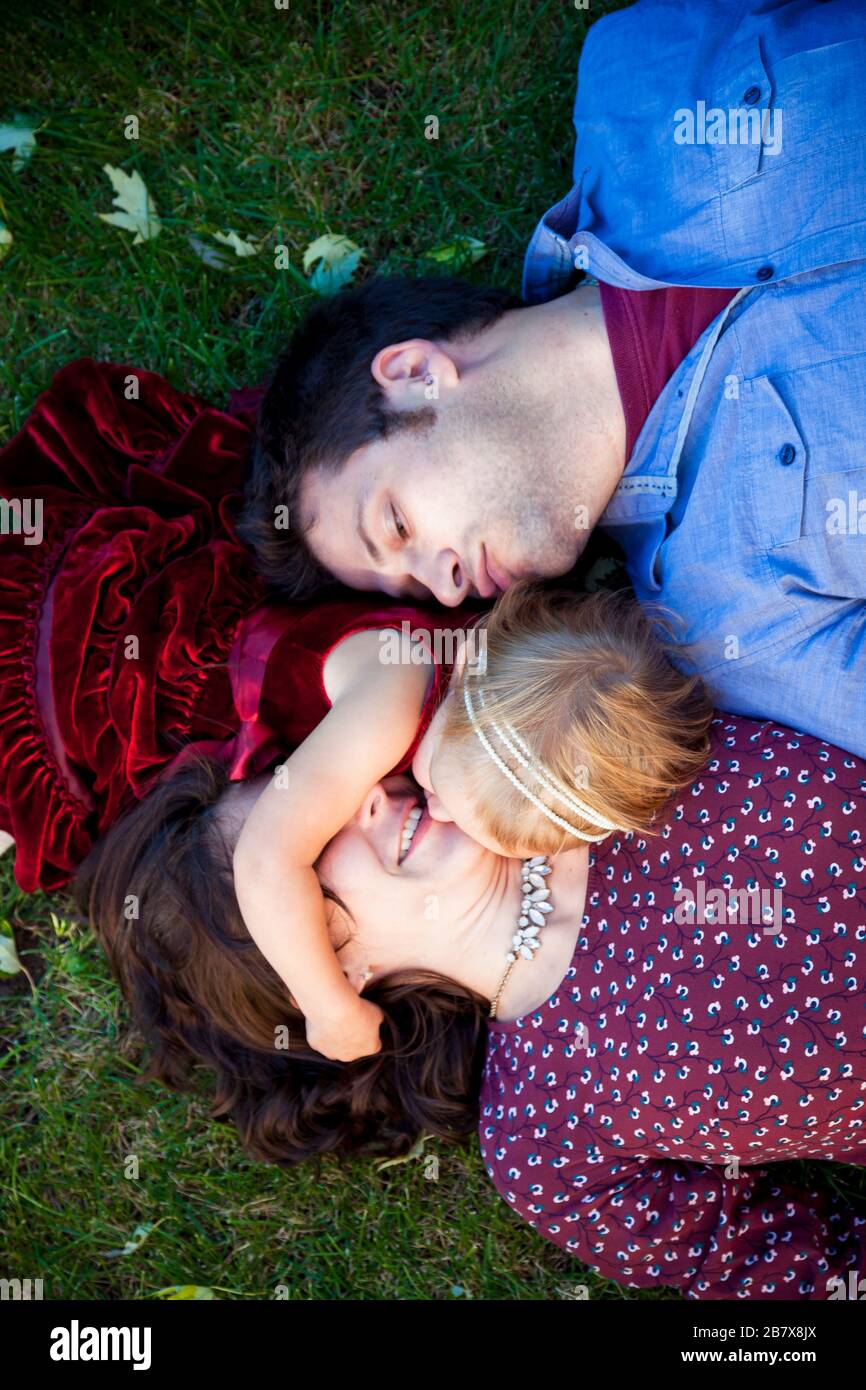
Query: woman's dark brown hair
(159, 892)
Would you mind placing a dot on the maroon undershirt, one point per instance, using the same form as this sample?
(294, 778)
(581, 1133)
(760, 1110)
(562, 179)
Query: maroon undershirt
(650, 332)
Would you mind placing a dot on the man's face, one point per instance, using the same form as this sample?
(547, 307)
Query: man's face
(436, 512)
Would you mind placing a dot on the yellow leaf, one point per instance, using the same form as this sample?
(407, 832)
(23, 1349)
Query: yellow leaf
(137, 208)
(238, 245)
(337, 259)
(9, 962)
(465, 248)
(185, 1291)
(416, 1151)
(20, 136)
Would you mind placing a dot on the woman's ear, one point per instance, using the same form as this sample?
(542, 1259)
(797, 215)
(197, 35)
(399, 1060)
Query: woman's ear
(359, 977)
(346, 947)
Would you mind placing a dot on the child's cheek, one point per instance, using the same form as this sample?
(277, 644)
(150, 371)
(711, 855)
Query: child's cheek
(453, 805)
(422, 759)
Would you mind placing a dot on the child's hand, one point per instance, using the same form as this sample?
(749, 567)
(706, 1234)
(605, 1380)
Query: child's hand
(355, 1033)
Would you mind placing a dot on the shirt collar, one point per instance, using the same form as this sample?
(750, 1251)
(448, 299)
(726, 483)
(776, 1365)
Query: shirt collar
(648, 485)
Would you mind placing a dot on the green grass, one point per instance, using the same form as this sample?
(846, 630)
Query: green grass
(74, 1109)
(281, 126)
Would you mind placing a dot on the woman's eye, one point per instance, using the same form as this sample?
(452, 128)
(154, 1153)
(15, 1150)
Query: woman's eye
(398, 526)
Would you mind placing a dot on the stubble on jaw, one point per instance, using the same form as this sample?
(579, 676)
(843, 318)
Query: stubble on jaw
(498, 463)
(560, 399)
(529, 495)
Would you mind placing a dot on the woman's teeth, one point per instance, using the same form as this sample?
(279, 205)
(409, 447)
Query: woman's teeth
(409, 829)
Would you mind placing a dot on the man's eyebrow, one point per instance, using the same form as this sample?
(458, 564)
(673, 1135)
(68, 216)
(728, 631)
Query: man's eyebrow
(374, 554)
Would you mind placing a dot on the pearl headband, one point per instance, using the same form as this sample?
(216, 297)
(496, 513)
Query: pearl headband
(520, 751)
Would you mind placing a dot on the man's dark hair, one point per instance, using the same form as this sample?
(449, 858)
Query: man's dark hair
(322, 403)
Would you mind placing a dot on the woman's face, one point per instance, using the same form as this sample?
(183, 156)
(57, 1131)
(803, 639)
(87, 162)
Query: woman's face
(397, 893)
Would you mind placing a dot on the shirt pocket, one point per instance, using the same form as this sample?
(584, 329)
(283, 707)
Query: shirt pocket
(734, 122)
(778, 467)
(808, 508)
(765, 117)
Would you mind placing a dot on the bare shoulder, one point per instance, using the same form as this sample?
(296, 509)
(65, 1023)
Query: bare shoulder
(354, 653)
(368, 657)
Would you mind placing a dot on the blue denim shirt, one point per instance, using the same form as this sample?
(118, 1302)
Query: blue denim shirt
(743, 505)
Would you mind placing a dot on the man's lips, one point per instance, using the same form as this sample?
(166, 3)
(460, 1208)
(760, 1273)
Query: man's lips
(499, 578)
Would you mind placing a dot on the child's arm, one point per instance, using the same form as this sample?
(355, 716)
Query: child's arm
(372, 721)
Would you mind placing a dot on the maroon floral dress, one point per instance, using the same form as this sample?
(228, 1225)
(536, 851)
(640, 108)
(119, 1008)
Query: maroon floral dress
(634, 1118)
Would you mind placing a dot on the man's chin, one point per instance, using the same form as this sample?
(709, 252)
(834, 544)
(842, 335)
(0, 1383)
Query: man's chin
(536, 574)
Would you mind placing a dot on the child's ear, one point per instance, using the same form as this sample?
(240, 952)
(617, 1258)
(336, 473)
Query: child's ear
(471, 655)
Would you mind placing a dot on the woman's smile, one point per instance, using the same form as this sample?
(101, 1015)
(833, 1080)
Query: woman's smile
(398, 828)
(411, 826)
(413, 831)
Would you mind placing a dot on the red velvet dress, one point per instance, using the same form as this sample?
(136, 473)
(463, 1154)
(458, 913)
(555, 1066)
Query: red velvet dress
(136, 627)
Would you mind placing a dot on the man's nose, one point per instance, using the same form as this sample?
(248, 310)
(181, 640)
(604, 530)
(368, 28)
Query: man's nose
(447, 579)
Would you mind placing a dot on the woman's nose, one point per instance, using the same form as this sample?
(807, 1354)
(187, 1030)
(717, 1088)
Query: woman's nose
(378, 799)
(373, 805)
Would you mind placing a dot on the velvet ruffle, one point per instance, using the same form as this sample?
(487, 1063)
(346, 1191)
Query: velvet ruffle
(136, 629)
(116, 626)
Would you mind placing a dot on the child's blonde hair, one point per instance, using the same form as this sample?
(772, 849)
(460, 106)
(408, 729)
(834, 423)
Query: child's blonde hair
(588, 686)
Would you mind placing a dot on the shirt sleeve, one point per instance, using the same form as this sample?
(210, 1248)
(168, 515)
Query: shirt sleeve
(645, 1223)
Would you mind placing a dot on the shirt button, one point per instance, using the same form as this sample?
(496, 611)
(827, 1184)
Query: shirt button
(751, 95)
(787, 454)
(765, 273)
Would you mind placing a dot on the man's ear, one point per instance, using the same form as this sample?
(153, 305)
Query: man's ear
(414, 372)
